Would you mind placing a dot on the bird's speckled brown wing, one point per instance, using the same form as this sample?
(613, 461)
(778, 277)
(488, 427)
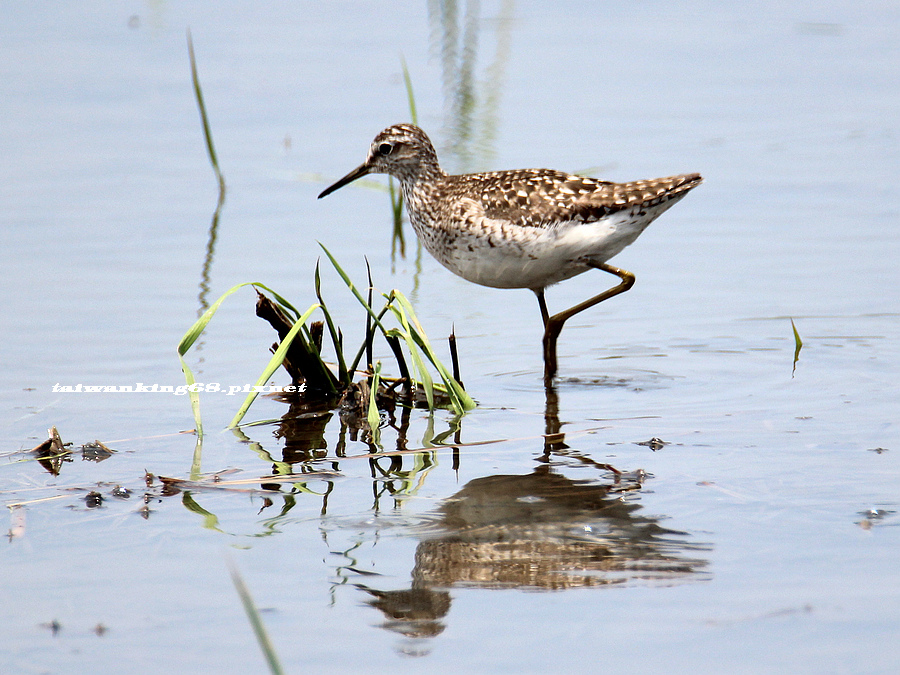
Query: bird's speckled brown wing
(542, 197)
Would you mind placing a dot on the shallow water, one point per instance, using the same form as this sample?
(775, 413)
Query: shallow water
(761, 537)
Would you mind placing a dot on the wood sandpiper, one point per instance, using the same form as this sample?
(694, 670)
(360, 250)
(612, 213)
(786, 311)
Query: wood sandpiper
(527, 228)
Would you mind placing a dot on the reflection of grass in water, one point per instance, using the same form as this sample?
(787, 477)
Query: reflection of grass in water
(397, 239)
(471, 104)
(213, 159)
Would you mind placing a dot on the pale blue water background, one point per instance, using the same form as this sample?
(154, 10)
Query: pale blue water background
(786, 511)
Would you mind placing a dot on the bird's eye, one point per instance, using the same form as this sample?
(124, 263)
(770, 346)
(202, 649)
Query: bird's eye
(385, 149)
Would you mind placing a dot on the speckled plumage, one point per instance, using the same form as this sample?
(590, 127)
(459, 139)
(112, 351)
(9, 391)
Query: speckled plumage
(526, 228)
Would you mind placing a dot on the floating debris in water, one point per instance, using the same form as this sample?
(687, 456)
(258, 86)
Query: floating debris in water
(874, 516)
(798, 345)
(53, 626)
(53, 452)
(93, 500)
(96, 452)
(121, 492)
(654, 444)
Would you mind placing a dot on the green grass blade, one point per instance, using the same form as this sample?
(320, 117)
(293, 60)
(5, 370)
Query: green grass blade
(459, 397)
(188, 340)
(196, 461)
(354, 290)
(798, 345)
(200, 324)
(374, 417)
(193, 396)
(259, 629)
(411, 99)
(362, 348)
(207, 132)
(273, 365)
(332, 331)
(423, 375)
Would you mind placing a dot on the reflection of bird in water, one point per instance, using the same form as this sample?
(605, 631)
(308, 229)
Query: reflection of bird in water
(413, 612)
(540, 531)
(544, 530)
(527, 228)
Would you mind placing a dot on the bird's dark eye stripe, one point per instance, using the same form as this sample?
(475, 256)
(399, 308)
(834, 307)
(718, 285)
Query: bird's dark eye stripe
(385, 148)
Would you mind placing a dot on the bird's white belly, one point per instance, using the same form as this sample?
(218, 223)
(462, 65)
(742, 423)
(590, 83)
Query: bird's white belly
(501, 255)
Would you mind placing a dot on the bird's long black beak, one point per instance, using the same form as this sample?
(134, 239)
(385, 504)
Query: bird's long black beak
(358, 172)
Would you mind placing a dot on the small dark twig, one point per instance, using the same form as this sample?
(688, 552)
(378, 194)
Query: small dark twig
(454, 357)
(302, 361)
(370, 333)
(394, 343)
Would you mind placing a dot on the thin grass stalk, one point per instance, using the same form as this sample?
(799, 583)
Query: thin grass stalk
(370, 334)
(423, 375)
(374, 417)
(362, 348)
(259, 629)
(207, 132)
(454, 356)
(461, 400)
(798, 345)
(333, 332)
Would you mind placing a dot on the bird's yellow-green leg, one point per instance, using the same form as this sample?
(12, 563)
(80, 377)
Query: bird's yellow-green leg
(553, 324)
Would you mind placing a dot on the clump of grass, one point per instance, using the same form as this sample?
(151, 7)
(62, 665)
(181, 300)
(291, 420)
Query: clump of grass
(318, 379)
(411, 332)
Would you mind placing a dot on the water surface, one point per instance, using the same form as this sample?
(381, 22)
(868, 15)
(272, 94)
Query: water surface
(761, 536)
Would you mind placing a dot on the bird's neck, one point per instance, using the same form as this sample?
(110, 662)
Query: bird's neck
(422, 179)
